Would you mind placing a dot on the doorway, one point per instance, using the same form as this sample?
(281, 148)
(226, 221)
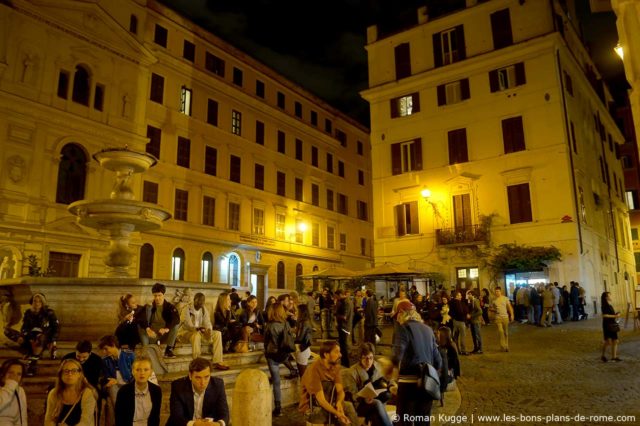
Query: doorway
(259, 281)
(467, 278)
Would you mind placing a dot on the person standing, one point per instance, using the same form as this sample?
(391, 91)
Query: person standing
(13, 400)
(370, 318)
(574, 296)
(609, 327)
(344, 313)
(504, 315)
(548, 302)
(326, 312)
(475, 313)
(159, 321)
(556, 307)
(459, 315)
(275, 352)
(139, 402)
(414, 344)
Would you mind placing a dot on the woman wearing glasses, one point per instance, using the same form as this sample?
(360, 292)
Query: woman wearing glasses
(72, 402)
(13, 401)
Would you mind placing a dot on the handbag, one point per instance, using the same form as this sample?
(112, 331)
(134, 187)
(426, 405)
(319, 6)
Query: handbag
(428, 379)
(613, 327)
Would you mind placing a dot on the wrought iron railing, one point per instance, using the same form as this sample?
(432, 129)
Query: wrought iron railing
(470, 234)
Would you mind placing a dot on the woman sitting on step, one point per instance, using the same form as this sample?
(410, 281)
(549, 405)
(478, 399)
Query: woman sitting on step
(127, 331)
(72, 402)
(39, 331)
(252, 321)
(225, 322)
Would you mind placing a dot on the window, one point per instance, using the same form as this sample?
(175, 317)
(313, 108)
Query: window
(406, 156)
(258, 175)
(281, 220)
(363, 246)
(280, 275)
(299, 232)
(98, 97)
(212, 112)
(363, 211)
(501, 29)
(189, 51)
(568, 83)
(634, 234)
(81, 86)
(258, 221)
(329, 199)
(574, 142)
(157, 88)
(206, 268)
(63, 84)
(237, 76)
(632, 200)
(234, 270)
(331, 237)
(314, 156)
(519, 203)
(160, 36)
(236, 122)
(462, 212)
(454, 92)
(407, 219)
(281, 142)
(360, 148)
(146, 260)
(507, 77)
(259, 132)
(361, 177)
(234, 169)
(150, 192)
(234, 216)
(208, 211)
(315, 234)
(458, 146)
(297, 107)
(281, 184)
(405, 105)
(314, 118)
(184, 152)
(72, 172)
(315, 194)
(329, 162)
(177, 265)
(343, 242)
(299, 189)
(402, 57)
(298, 149)
(260, 89)
(343, 204)
(341, 137)
(133, 28)
(448, 46)
(214, 64)
(210, 161)
(280, 100)
(181, 205)
(64, 264)
(185, 100)
(328, 126)
(340, 168)
(153, 146)
(513, 135)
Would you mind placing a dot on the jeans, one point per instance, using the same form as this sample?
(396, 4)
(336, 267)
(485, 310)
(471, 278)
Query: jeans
(459, 335)
(325, 322)
(556, 312)
(476, 336)
(413, 402)
(274, 370)
(374, 412)
(168, 338)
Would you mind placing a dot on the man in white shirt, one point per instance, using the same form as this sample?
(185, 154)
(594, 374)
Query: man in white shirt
(198, 399)
(139, 402)
(195, 327)
(504, 315)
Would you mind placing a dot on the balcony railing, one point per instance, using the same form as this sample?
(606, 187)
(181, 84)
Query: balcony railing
(461, 235)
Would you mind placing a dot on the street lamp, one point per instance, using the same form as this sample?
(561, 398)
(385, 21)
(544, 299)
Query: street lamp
(619, 50)
(426, 193)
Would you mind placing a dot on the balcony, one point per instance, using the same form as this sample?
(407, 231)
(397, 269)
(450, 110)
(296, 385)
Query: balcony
(462, 236)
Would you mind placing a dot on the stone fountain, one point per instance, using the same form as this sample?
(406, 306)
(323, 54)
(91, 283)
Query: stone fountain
(121, 214)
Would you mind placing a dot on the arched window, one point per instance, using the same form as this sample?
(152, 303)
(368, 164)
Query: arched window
(206, 268)
(280, 273)
(72, 172)
(234, 270)
(146, 261)
(81, 86)
(177, 265)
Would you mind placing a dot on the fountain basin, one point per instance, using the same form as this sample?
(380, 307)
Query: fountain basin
(123, 160)
(104, 214)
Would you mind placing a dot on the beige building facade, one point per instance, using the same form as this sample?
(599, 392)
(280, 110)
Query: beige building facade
(264, 180)
(490, 126)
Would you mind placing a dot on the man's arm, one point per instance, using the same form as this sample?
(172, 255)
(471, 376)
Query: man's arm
(322, 402)
(510, 310)
(177, 411)
(220, 406)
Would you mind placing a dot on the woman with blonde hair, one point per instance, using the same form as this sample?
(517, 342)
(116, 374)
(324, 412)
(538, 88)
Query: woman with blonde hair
(276, 351)
(225, 321)
(127, 330)
(72, 402)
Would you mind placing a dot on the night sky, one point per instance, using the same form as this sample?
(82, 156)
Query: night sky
(320, 45)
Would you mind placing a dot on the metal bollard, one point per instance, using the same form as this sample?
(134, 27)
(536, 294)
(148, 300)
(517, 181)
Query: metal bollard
(251, 404)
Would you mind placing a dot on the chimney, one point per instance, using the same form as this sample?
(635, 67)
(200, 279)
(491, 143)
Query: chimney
(423, 17)
(372, 33)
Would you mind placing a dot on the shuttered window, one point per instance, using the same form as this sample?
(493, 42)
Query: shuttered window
(519, 203)
(405, 105)
(448, 46)
(458, 146)
(454, 92)
(513, 135)
(406, 156)
(501, 29)
(402, 56)
(507, 77)
(407, 218)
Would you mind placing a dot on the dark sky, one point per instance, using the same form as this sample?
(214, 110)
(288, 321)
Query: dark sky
(320, 45)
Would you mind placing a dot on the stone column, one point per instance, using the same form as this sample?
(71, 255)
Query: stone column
(251, 399)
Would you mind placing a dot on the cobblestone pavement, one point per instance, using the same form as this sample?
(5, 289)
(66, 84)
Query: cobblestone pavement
(548, 372)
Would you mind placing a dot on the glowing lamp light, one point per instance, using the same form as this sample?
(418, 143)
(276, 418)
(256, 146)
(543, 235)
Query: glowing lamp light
(426, 193)
(619, 50)
(302, 227)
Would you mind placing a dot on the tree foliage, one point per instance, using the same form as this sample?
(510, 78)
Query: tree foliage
(520, 257)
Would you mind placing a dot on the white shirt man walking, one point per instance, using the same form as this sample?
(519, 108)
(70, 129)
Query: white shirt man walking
(504, 315)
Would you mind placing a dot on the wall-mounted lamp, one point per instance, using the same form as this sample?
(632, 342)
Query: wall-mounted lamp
(426, 193)
(619, 50)
(302, 227)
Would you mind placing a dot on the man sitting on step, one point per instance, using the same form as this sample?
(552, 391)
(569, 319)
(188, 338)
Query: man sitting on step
(159, 322)
(91, 363)
(196, 327)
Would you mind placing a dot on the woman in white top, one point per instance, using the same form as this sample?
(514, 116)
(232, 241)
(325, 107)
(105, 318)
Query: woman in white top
(13, 400)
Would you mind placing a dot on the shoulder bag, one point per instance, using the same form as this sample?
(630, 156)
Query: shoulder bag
(428, 379)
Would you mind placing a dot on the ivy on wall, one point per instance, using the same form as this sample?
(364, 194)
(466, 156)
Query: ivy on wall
(520, 257)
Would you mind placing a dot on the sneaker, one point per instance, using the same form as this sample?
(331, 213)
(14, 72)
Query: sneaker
(276, 413)
(168, 353)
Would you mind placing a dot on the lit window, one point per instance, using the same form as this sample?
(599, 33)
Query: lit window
(234, 270)
(473, 273)
(206, 266)
(185, 101)
(236, 122)
(462, 273)
(177, 265)
(453, 92)
(258, 221)
(280, 222)
(405, 106)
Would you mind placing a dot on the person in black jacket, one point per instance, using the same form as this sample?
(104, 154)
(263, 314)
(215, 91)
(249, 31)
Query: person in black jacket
(159, 321)
(275, 350)
(140, 399)
(91, 363)
(304, 334)
(459, 314)
(370, 318)
(39, 331)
